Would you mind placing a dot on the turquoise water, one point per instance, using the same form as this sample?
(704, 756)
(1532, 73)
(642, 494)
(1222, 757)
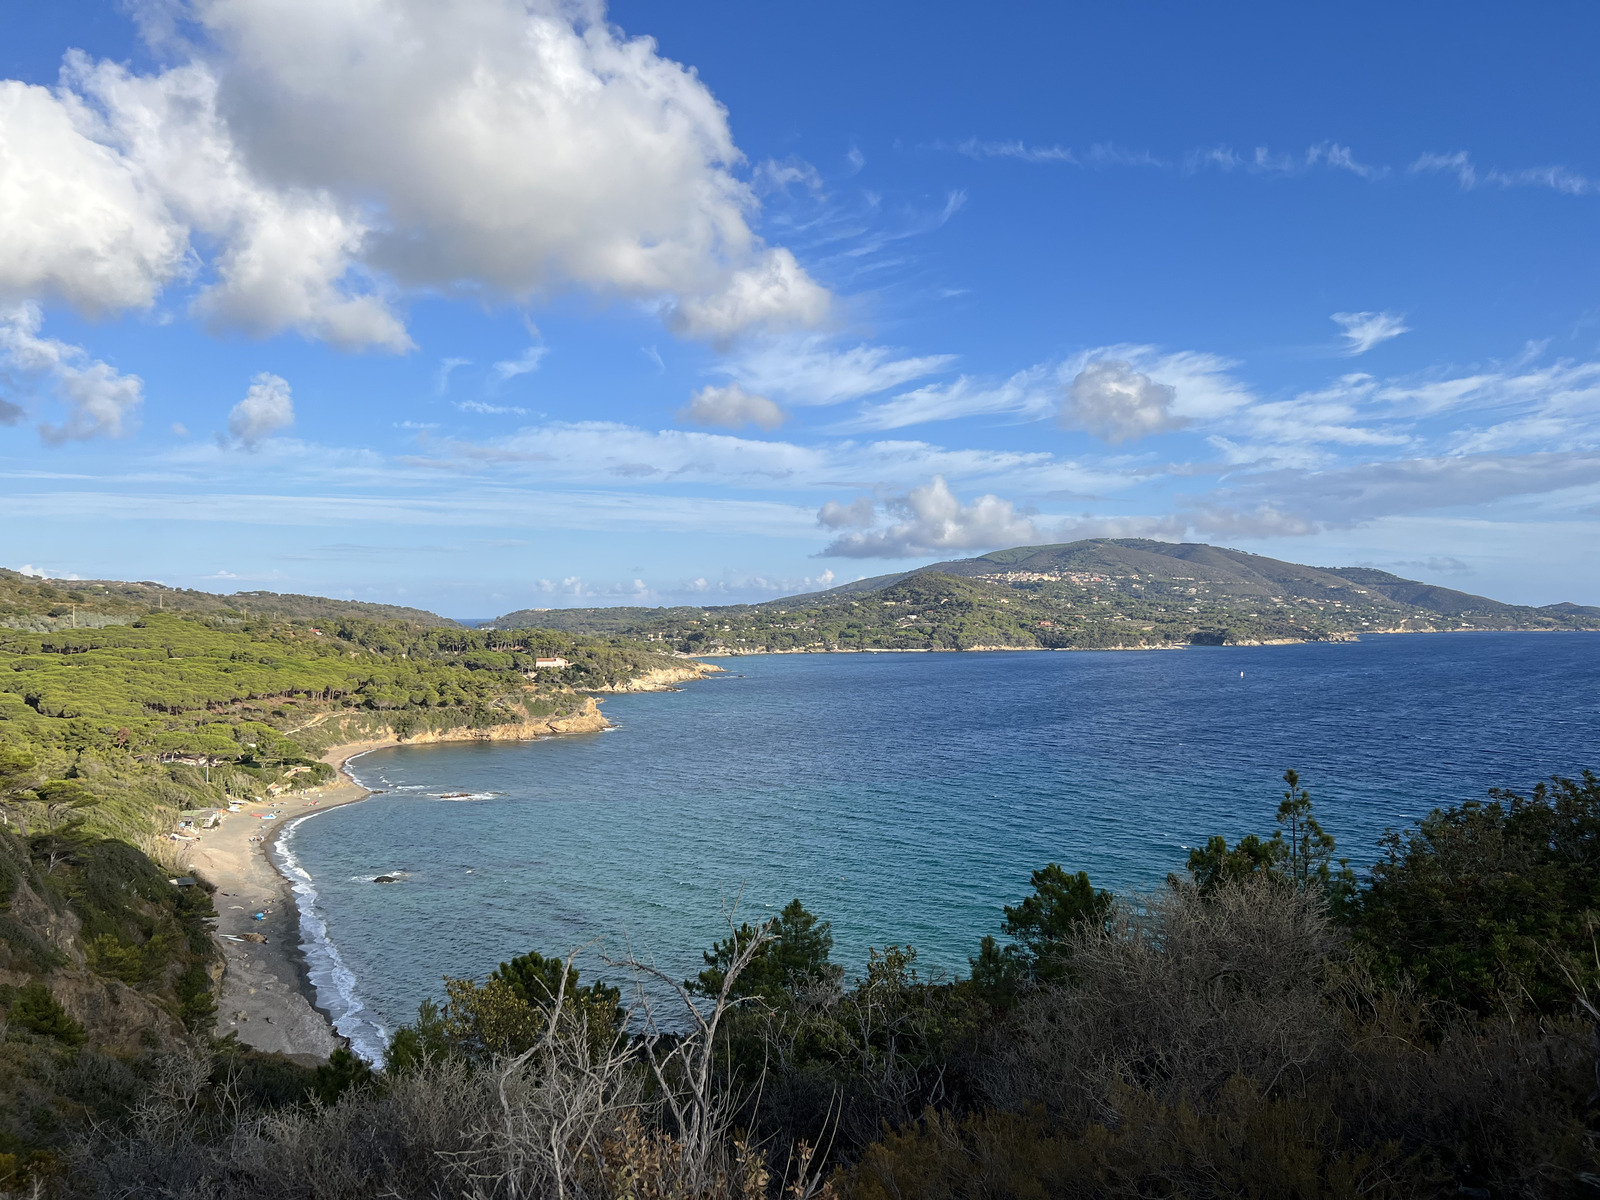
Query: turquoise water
(905, 797)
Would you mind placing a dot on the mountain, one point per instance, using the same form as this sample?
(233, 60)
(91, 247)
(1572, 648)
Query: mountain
(43, 605)
(1098, 593)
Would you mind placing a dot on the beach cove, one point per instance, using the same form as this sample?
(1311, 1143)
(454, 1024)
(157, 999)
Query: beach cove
(269, 996)
(906, 797)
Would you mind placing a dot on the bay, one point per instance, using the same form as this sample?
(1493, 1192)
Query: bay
(904, 797)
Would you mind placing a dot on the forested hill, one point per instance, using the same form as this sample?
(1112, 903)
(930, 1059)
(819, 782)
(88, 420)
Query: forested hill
(1100, 593)
(27, 602)
(115, 729)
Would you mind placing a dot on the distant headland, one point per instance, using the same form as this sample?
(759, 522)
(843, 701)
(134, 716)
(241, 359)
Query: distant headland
(1098, 594)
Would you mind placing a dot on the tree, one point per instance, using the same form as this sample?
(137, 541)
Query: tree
(1042, 927)
(338, 1075)
(1299, 854)
(536, 980)
(1492, 905)
(1217, 864)
(793, 959)
(1308, 859)
(18, 775)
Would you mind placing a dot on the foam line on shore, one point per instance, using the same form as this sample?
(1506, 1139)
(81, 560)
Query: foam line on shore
(333, 981)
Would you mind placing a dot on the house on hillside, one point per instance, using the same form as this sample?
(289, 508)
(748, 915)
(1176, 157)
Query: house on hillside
(550, 664)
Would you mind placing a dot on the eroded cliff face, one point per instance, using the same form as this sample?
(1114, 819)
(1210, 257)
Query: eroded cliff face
(116, 1018)
(588, 719)
(664, 679)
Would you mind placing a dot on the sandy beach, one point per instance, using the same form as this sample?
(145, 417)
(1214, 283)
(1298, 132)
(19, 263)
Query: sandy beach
(265, 995)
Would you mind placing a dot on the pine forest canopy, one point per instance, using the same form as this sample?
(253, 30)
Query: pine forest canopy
(121, 716)
(29, 602)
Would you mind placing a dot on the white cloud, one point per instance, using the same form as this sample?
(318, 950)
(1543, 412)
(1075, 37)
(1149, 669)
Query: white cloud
(858, 514)
(1116, 403)
(1028, 392)
(1459, 163)
(496, 410)
(77, 220)
(1305, 501)
(806, 371)
(731, 407)
(932, 520)
(1203, 389)
(1364, 330)
(773, 292)
(100, 401)
(266, 408)
(524, 364)
(447, 366)
(335, 157)
(605, 452)
(11, 414)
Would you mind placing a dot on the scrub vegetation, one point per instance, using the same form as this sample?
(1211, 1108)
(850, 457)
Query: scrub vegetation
(1266, 1024)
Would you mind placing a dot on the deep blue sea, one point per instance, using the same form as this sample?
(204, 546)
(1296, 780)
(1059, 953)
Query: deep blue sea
(904, 797)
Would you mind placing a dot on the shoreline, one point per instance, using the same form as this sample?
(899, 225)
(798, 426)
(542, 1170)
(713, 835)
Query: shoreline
(266, 996)
(1341, 638)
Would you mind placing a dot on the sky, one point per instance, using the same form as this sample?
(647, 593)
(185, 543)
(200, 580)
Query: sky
(480, 305)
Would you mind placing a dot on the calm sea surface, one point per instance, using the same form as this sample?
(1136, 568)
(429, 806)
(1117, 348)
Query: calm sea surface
(905, 797)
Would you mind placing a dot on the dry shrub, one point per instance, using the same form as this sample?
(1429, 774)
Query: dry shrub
(567, 1119)
(1241, 1145)
(1229, 1046)
(1178, 998)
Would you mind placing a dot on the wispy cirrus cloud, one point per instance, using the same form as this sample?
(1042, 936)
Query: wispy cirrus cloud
(811, 371)
(1470, 176)
(1265, 161)
(1364, 330)
(1202, 388)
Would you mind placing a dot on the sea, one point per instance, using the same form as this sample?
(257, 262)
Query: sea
(905, 798)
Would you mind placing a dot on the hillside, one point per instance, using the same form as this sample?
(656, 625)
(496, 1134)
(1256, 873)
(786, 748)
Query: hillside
(117, 728)
(1097, 594)
(43, 605)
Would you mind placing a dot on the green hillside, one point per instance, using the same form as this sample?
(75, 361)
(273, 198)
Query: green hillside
(1097, 594)
(122, 726)
(27, 602)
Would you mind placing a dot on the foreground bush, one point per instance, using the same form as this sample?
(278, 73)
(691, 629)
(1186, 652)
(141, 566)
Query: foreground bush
(1262, 1027)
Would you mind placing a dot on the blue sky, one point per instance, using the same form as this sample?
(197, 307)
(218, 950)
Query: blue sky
(487, 304)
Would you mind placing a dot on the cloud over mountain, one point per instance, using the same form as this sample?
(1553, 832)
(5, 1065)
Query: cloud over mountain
(930, 520)
(1116, 403)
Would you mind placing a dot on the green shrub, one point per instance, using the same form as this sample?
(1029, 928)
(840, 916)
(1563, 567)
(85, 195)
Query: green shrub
(32, 1007)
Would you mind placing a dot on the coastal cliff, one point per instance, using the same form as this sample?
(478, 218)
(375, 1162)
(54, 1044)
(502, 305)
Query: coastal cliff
(662, 679)
(588, 719)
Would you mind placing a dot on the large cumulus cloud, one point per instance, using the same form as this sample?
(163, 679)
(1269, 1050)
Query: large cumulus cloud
(312, 161)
